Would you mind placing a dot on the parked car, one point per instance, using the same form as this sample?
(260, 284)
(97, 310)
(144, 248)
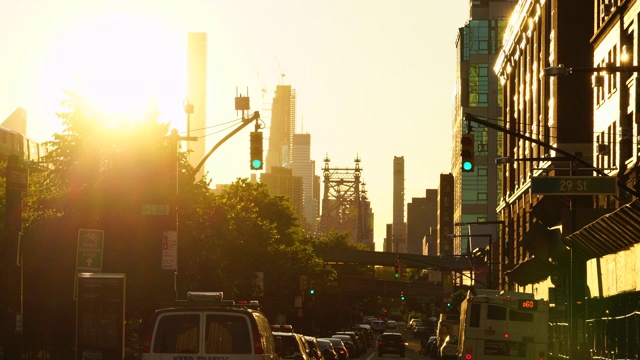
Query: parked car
(357, 339)
(327, 349)
(449, 349)
(292, 346)
(413, 322)
(348, 343)
(391, 343)
(312, 342)
(401, 325)
(339, 346)
(184, 330)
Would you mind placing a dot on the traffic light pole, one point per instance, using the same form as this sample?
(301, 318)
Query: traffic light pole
(472, 118)
(245, 122)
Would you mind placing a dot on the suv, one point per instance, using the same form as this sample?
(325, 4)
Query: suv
(449, 349)
(391, 343)
(207, 326)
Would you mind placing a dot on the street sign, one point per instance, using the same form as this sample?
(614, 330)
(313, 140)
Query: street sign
(155, 209)
(90, 245)
(573, 185)
(18, 177)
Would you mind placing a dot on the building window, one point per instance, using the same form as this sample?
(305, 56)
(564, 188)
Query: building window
(479, 85)
(482, 196)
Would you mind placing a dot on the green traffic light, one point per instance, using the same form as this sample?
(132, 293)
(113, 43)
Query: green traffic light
(467, 166)
(312, 291)
(397, 275)
(256, 163)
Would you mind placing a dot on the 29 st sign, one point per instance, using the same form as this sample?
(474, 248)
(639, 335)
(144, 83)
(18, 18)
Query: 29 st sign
(573, 185)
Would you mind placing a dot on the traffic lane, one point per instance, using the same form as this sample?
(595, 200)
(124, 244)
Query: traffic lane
(412, 351)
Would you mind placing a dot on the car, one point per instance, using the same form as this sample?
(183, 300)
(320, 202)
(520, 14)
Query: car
(281, 328)
(339, 346)
(349, 344)
(391, 343)
(392, 324)
(207, 326)
(327, 349)
(358, 339)
(401, 325)
(419, 331)
(449, 349)
(413, 322)
(312, 342)
(428, 345)
(292, 346)
(378, 326)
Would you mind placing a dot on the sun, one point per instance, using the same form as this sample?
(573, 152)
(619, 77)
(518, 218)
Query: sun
(124, 64)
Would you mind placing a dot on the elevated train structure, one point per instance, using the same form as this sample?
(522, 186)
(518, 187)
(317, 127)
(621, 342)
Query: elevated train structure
(15, 143)
(360, 286)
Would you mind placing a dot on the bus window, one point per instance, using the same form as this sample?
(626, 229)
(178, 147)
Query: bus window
(474, 317)
(520, 316)
(496, 312)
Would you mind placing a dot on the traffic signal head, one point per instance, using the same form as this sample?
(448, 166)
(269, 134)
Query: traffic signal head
(397, 269)
(256, 162)
(312, 287)
(402, 296)
(467, 153)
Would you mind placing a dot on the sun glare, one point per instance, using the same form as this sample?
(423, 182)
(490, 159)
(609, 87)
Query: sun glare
(124, 64)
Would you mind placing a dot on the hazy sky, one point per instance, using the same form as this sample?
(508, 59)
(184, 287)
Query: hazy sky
(374, 78)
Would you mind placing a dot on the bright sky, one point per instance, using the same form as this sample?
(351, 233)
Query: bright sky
(374, 78)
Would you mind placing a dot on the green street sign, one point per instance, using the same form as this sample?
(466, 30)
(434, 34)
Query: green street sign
(573, 185)
(155, 209)
(89, 253)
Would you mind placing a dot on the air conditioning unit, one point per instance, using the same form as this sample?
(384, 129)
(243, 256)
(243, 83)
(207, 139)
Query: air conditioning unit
(603, 149)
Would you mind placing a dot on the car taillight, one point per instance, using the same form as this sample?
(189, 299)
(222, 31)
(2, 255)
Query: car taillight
(146, 345)
(341, 351)
(257, 343)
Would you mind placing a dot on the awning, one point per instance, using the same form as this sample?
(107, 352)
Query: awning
(531, 271)
(610, 233)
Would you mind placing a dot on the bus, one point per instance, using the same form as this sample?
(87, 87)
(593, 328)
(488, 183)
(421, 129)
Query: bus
(500, 325)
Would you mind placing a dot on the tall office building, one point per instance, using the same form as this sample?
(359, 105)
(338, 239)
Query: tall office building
(479, 92)
(197, 95)
(422, 221)
(302, 166)
(283, 121)
(399, 226)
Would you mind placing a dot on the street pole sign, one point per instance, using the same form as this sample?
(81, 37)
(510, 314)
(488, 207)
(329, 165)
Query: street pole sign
(573, 185)
(90, 246)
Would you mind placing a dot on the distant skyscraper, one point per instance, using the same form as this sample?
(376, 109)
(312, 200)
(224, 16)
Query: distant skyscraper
(283, 121)
(399, 232)
(197, 95)
(281, 182)
(422, 216)
(302, 166)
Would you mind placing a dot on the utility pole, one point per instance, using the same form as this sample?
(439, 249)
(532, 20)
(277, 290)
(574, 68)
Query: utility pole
(17, 179)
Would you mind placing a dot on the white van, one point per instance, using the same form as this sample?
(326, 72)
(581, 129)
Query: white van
(208, 330)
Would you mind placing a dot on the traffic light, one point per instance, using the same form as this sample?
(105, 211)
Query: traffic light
(402, 296)
(397, 268)
(467, 153)
(256, 162)
(312, 287)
